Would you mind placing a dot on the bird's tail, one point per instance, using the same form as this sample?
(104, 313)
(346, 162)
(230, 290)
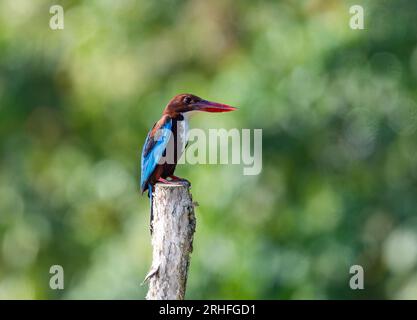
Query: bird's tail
(150, 195)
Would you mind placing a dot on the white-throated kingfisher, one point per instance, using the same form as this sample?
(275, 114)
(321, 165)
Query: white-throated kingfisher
(167, 139)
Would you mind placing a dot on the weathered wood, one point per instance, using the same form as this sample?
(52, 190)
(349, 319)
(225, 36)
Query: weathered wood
(172, 240)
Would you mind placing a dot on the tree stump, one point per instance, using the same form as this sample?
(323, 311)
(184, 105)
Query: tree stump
(172, 241)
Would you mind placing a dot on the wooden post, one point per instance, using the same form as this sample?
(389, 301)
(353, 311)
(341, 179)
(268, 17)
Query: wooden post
(172, 240)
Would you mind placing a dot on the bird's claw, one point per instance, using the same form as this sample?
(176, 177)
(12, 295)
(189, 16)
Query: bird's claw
(180, 180)
(162, 180)
(174, 180)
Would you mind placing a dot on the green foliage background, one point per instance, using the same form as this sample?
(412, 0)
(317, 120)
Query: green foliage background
(338, 111)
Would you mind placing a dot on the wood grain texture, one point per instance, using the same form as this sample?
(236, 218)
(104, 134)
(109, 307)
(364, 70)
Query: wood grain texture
(172, 241)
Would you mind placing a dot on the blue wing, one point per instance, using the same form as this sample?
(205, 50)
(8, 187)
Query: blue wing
(153, 149)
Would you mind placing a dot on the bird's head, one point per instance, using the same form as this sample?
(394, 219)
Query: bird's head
(185, 103)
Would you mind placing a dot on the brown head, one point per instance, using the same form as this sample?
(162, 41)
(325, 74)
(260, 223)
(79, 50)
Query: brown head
(186, 102)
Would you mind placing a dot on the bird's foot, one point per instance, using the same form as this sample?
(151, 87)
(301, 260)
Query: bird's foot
(181, 180)
(162, 180)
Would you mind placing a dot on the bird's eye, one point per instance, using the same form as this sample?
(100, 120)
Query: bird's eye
(187, 100)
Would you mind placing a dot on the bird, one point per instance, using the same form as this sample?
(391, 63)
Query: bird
(167, 140)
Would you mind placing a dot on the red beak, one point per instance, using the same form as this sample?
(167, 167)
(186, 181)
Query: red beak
(209, 106)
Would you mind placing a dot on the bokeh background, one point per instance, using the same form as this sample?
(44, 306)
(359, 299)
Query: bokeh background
(339, 116)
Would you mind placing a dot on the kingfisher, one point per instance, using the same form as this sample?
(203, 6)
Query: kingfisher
(167, 140)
